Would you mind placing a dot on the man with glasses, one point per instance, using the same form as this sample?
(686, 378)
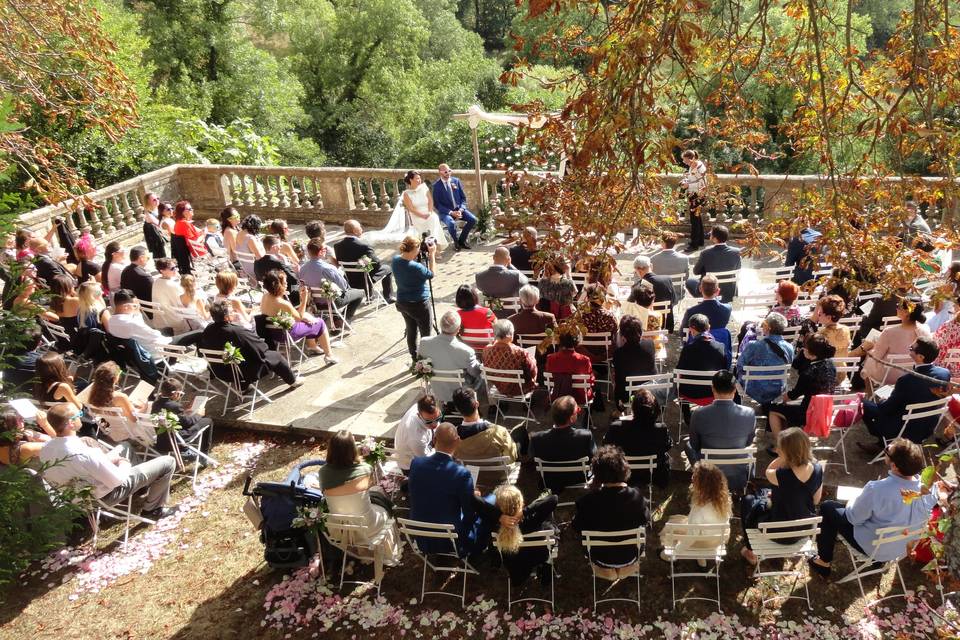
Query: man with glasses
(135, 276)
(885, 419)
(152, 234)
(166, 293)
(414, 436)
(110, 476)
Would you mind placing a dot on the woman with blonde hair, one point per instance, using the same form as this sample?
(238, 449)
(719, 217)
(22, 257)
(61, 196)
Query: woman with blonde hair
(797, 480)
(709, 500)
(191, 301)
(227, 282)
(92, 312)
(504, 511)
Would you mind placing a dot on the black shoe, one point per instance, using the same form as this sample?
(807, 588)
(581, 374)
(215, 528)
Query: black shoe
(823, 572)
(871, 449)
(464, 245)
(159, 513)
(456, 246)
(391, 300)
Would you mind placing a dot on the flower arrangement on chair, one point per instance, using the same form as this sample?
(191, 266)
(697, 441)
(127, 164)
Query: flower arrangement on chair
(232, 354)
(365, 264)
(328, 290)
(422, 370)
(283, 319)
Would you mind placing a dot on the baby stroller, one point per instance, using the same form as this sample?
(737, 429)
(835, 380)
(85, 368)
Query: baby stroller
(272, 507)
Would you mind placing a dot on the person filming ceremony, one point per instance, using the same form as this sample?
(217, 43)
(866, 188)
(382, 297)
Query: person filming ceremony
(413, 293)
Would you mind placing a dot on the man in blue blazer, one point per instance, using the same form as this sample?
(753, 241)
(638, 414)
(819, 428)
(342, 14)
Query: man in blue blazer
(719, 257)
(885, 419)
(441, 491)
(717, 312)
(450, 201)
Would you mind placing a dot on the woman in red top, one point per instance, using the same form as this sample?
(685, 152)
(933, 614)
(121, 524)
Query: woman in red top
(567, 362)
(183, 214)
(472, 315)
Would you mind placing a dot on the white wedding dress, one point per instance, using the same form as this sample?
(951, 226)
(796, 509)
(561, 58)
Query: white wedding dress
(402, 222)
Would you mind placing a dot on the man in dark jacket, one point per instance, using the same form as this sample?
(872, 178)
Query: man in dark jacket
(272, 261)
(135, 276)
(802, 255)
(47, 267)
(701, 353)
(663, 290)
(718, 258)
(351, 249)
(563, 442)
(258, 360)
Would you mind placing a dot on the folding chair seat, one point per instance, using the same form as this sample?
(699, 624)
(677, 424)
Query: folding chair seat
(773, 275)
(724, 458)
(546, 540)
(179, 445)
(701, 542)
(510, 305)
(181, 363)
(644, 463)
(246, 261)
(852, 323)
(774, 373)
(627, 538)
(442, 562)
(659, 384)
(768, 541)
(501, 377)
(865, 564)
(600, 343)
(371, 292)
(331, 314)
(234, 385)
(580, 466)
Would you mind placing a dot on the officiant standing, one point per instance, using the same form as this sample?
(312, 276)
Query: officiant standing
(695, 181)
(450, 201)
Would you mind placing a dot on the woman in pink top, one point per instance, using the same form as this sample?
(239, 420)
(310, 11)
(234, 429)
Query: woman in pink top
(894, 341)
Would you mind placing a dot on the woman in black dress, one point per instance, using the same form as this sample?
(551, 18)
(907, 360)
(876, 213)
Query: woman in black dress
(642, 435)
(797, 481)
(820, 376)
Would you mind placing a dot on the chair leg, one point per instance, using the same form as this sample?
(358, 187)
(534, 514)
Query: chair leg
(673, 583)
(423, 580)
(719, 606)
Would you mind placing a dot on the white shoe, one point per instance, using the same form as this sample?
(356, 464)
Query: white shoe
(331, 359)
(314, 351)
(298, 382)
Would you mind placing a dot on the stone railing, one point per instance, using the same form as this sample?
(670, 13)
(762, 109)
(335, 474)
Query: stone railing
(334, 194)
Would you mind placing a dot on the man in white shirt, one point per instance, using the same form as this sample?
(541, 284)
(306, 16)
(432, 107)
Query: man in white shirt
(127, 322)
(111, 477)
(167, 292)
(414, 436)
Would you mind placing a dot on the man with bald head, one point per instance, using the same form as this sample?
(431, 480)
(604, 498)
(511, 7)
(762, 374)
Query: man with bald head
(501, 280)
(450, 201)
(442, 492)
(352, 249)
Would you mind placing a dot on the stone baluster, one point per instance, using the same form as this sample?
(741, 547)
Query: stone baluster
(384, 196)
(295, 187)
(108, 214)
(373, 202)
(93, 221)
(311, 192)
(359, 199)
(246, 190)
(235, 190)
(134, 208)
(257, 191)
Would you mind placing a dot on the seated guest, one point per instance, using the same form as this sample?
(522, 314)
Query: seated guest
(317, 229)
(480, 439)
(87, 267)
(715, 259)
(599, 321)
(557, 290)
(641, 434)
(127, 323)
(522, 252)
(945, 307)
(879, 505)
(46, 266)
(92, 312)
(183, 227)
(718, 313)
(315, 271)
(472, 315)
(19, 445)
(894, 340)
(709, 504)
(227, 283)
(827, 314)
(305, 325)
(65, 304)
(105, 392)
(21, 360)
(819, 377)
(635, 357)
(786, 295)
(501, 279)
(567, 362)
(769, 351)
(114, 262)
(670, 262)
(612, 505)
(661, 285)
(195, 306)
(562, 442)
(258, 360)
(24, 303)
(346, 482)
(701, 353)
(414, 435)
(723, 424)
(885, 419)
(503, 354)
(135, 276)
(883, 308)
(640, 306)
(530, 320)
(280, 229)
(447, 353)
(273, 261)
(504, 511)
(914, 226)
(213, 239)
(55, 384)
(802, 255)
(166, 292)
(442, 492)
(797, 480)
(352, 249)
(248, 238)
(111, 477)
(169, 396)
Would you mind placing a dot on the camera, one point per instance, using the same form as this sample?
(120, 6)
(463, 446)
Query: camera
(426, 241)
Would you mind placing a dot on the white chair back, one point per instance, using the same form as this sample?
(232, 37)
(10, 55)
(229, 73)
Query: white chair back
(773, 275)
(478, 339)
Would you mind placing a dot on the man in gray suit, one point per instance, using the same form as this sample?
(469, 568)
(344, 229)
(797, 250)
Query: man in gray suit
(719, 257)
(501, 280)
(447, 353)
(670, 262)
(722, 424)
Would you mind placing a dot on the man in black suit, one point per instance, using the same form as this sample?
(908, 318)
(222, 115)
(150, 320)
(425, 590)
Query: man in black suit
(563, 442)
(352, 249)
(258, 360)
(135, 277)
(719, 257)
(522, 252)
(272, 260)
(662, 285)
(47, 267)
(701, 353)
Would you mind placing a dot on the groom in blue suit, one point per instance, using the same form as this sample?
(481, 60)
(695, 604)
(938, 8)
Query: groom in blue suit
(450, 201)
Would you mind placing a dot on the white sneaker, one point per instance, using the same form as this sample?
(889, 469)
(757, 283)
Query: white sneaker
(331, 359)
(314, 351)
(298, 382)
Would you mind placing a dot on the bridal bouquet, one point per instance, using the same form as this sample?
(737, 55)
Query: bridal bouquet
(494, 304)
(314, 517)
(328, 290)
(283, 320)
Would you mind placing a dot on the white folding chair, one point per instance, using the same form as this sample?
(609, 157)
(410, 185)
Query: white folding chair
(846, 366)
(769, 541)
(852, 323)
(180, 363)
(291, 348)
(755, 306)
(527, 340)
(701, 542)
(578, 382)
(331, 314)
(494, 377)
(477, 339)
(865, 564)
(579, 279)
(531, 277)
(773, 373)
(628, 538)
(913, 412)
(246, 261)
(689, 377)
(888, 321)
(346, 533)
(113, 424)
(372, 293)
(234, 385)
(823, 270)
(660, 340)
(511, 304)
(152, 312)
(500, 468)
(546, 540)
(679, 282)
(791, 334)
(548, 467)
(644, 463)
(773, 275)
(892, 360)
(745, 457)
(446, 376)
(413, 529)
(726, 277)
(659, 384)
(840, 402)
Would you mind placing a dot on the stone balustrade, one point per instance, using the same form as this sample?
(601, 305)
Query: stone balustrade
(334, 194)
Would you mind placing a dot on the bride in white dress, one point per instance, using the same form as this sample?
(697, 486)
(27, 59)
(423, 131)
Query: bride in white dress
(413, 214)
